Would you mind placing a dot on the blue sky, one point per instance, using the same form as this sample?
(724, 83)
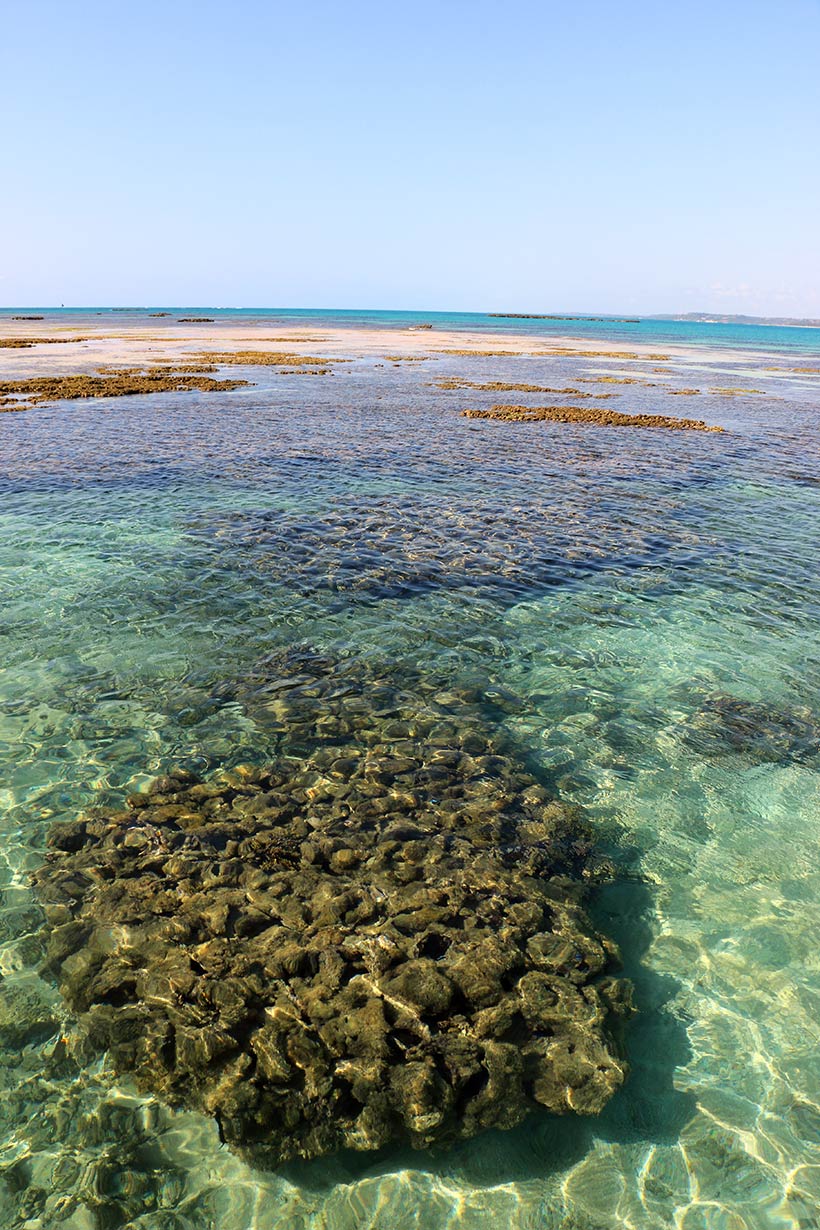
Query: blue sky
(520, 156)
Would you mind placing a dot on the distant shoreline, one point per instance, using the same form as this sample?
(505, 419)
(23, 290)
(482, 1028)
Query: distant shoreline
(704, 318)
(24, 312)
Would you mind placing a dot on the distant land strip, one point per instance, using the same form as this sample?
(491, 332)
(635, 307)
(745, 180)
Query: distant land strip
(717, 318)
(618, 320)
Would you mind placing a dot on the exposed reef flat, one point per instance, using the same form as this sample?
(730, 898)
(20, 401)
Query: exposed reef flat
(22, 394)
(600, 417)
(143, 339)
(379, 938)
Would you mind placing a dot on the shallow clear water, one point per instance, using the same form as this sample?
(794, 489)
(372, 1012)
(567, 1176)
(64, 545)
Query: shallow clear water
(650, 598)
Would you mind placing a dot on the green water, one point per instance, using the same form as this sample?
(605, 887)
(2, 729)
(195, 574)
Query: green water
(650, 599)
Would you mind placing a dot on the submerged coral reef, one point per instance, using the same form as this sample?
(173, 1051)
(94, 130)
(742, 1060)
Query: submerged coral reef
(379, 937)
(757, 730)
(371, 546)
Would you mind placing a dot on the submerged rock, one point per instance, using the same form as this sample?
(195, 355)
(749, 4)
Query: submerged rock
(378, 938)
(761, 731)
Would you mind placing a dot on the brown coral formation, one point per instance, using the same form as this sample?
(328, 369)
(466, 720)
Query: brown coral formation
(380, 937)
(600, 417)
(648, 384)
(734, 392)
(561, 352)
(606, 354)
(801, 371)
(195, 320)
(123, 382)
(23, 343)
(500, 386)
(173, 369)
(270, 358)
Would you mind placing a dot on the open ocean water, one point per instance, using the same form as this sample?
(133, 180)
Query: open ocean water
(646, 603)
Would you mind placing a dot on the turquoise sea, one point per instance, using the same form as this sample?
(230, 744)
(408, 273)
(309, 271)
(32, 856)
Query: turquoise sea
(646, 602)
(646, 330)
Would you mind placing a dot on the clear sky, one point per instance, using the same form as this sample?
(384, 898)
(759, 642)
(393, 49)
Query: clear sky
(523, 156)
